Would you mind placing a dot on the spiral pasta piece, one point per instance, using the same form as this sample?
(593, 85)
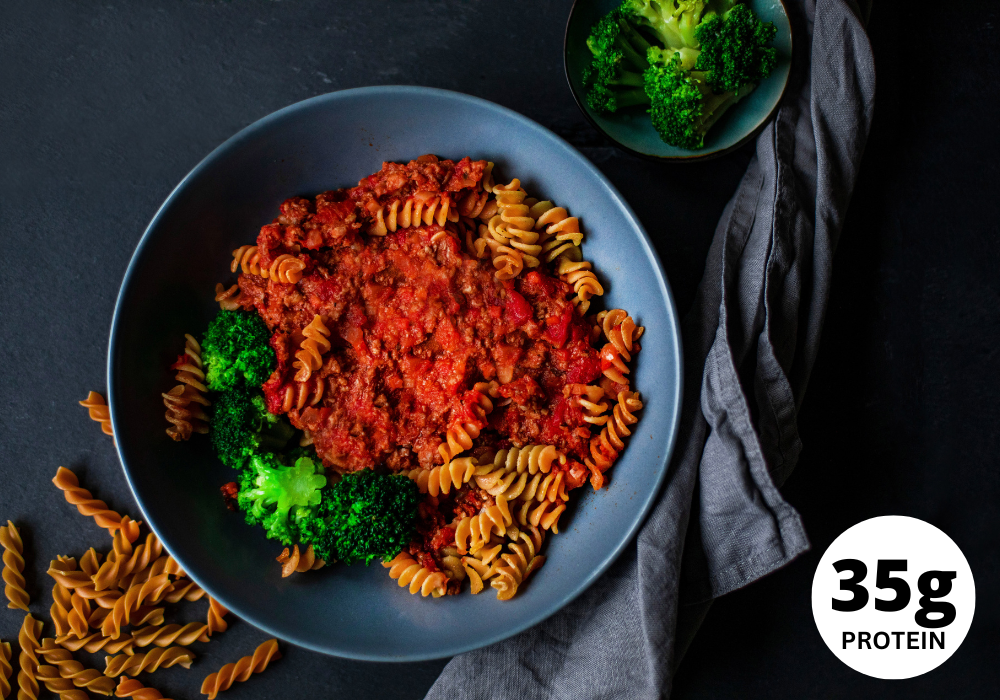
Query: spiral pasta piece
(151, 591)
(559, 232)
(13, 565)
(590, 399)
(479, 565)
(124, 559)
(229, 299)
(241, 671)
(132, 688)
(182, 635)
(604, 448)
(97, 642)
(544, 514)
(28, 640)
(98, 411)
(63, 687)
(580, 275)
(185, 401)
(513, 224)
(302, 393)
(309, 357)
(149, 661)
(5, 669)
(69, 669)
(66, 481)
(521, 472)
(164, 564)
(405, 570)
(521, 559)
(457, 440)
(474, 532)
(184, 590)
(79, 615)
(247, 259)
(442, 479)
(294, 562)
(61, 603)
(286, 269)
(422, 208)
(216, 616)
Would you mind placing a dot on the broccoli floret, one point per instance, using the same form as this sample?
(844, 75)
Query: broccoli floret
(614, 77)
(364, 516)
(280, 498)
(242, 427)
(735, 49)
(673, 22)
(236, 347)
(683, 105)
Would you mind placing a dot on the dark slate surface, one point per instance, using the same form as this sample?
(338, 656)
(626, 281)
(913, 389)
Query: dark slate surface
(106, 106)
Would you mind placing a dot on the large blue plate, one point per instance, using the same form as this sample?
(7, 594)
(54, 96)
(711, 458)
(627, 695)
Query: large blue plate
(327, 142)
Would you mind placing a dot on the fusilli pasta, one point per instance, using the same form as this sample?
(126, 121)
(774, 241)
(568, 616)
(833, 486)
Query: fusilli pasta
(605, 447)
(184, 417)
(286, 269)
(457, 440)
(581, 277)
(422, 208)
(241, 671)
(66, 481)
(150, 591)
(13, 565)
(28, 640)
(5, 669)
(98, 411)
(515, 565)
(68, 668)
(293, 562)
(131, 688)
(474, 532)
(519, 473)
(149, 661)
(309, 392)
(309, 357)
(97, 642)
(443, 478)
(229, 299)
(405, 570)
(216, 616)
(182, 635)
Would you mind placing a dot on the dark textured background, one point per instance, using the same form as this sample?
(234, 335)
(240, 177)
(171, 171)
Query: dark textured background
(105, 106)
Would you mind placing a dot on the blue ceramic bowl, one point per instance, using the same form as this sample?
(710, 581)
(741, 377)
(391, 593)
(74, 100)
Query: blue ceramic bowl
(323, 143)
(632, 130)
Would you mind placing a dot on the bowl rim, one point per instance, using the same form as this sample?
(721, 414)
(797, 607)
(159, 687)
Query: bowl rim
(699, 157)
(675, 398)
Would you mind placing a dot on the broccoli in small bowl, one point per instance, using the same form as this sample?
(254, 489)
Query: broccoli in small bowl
(678, 79)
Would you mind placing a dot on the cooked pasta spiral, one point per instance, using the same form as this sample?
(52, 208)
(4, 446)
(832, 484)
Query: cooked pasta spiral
(97, 642)
(309, 357)
(507, 262)
(171, 634)
(520, 472)
(27, 639)
(405, 570)
(587, 397)
(544, 514)
(559, 232)
(98, 411)
(183, 417)
(442, 479)
(68, 668)
(66, 481)
(285, 268)
(13, 565)
(479, 565)
(521, 559)
(299, 394)
(132, 688)
(241, 671)
(421, 208)
(451, 564)
(458, 439)
(294, 562)
(229, 299)
(513, 223)
(474, 532)
(605, 447)
(149, 662)
(216, 616)
(579, 274)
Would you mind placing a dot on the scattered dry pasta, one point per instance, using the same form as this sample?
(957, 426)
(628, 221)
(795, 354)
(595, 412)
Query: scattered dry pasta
(241, 671)
(66, 481)
(294, 562)
(148, 662)
(5, 669)
(131, 688)
(66, 667)
(13, 565)
(99, 411)
(216, 616)
(182, 635)
(28, 640)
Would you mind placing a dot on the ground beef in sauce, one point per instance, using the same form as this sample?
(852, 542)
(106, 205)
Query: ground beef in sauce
(415, 322)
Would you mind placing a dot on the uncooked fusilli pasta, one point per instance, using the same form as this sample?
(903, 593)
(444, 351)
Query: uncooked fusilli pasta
(13, 565)
(216, 616)
(68, 668)
(28, 640)
(66, 481)
(241, 671)
(149, 662)
(98, 411)
(182, 635)
(5, 669)
(131, 688)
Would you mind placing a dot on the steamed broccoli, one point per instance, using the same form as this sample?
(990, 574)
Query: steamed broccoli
(280, 498)
(362, 517)
(614, 77)
(242, 427)
(673, 22)
(735, 49)
(683, 105)
(236, 347)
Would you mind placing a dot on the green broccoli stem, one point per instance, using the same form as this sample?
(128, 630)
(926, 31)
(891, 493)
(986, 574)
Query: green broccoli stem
(716, 104)
(632, 46)
(627, 78)
(631, 98)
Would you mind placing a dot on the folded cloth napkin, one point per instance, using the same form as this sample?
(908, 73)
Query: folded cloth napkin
(752, 335)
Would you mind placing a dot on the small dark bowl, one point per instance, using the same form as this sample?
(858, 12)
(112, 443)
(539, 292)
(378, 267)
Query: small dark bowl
(631, 129)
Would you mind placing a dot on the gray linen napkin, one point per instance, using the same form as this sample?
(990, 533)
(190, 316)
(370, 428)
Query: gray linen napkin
(751, 336)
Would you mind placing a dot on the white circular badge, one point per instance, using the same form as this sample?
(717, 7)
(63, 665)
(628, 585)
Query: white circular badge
(893, 597)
